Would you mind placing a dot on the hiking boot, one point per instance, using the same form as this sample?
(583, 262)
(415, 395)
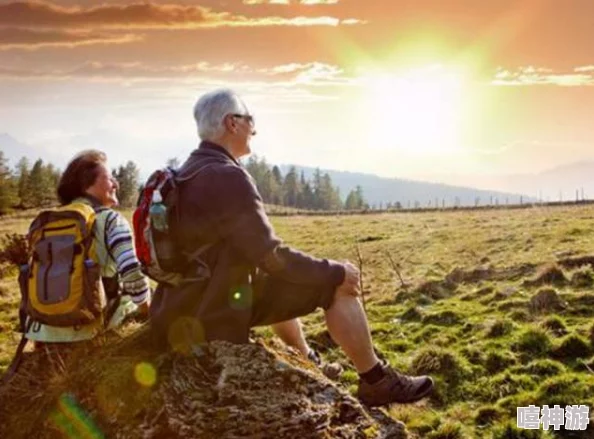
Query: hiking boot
(394, 387)
(330, 370)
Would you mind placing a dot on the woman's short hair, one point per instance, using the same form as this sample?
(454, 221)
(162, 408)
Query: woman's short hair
(80, 174)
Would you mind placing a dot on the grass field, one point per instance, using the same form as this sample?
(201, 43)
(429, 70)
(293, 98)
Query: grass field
(497, 307)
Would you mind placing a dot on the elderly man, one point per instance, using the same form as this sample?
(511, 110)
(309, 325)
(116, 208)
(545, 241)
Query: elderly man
(254, 279)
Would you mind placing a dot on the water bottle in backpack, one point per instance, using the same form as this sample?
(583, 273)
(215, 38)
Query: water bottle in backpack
(158, 213)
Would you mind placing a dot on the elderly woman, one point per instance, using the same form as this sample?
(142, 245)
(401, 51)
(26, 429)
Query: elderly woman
(87, 180)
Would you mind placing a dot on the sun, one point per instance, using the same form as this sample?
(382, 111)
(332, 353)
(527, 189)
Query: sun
(419, 113)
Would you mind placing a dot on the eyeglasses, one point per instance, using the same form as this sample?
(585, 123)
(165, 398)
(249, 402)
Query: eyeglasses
(248, 117)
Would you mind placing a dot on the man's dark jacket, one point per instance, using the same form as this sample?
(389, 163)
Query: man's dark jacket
(221, 205)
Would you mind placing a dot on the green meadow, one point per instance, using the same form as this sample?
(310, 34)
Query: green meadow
(496, 305)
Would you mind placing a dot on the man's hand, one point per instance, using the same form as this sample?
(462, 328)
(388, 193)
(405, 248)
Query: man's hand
(350, 284)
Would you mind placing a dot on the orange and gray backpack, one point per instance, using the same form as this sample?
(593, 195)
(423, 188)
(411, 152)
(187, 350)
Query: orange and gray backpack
(61, 282)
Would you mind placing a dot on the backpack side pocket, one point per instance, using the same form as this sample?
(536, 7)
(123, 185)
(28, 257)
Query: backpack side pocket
(24, 289)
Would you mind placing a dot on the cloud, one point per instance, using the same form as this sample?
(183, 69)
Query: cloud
(46, 15)
(314, 73)
(584, 69)
(530, 75)
(287, 2)
(16, 38)
(318, 2)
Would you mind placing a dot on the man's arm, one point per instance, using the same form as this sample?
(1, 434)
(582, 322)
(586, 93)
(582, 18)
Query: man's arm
(241, 219)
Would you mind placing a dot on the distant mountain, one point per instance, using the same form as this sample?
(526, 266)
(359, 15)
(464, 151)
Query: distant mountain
(562, 183)
(14, 150)
(409, 192)
(566, 181)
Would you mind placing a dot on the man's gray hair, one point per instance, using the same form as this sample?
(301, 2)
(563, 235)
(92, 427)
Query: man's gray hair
(211, 109)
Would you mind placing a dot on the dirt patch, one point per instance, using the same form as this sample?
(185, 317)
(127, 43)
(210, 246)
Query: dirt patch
(436, 289)
(577, 261)
(476, 275)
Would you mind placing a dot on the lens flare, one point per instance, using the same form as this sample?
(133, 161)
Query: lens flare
(145, 374)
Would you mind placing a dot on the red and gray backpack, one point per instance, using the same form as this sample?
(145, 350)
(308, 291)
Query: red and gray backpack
(156, 248)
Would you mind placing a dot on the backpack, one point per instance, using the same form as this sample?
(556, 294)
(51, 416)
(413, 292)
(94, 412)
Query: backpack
(154, 221)
(61, 284)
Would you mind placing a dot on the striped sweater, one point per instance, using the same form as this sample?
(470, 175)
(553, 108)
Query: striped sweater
(116, 255)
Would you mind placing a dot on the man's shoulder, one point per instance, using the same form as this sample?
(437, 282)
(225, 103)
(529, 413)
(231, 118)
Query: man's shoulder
(214, 169)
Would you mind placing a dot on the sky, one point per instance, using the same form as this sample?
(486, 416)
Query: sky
(453, 91)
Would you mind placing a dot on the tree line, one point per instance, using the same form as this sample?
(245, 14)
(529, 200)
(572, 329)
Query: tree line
(28, 186)
(294, 190)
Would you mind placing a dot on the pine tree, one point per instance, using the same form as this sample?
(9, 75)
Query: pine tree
(22, 171)
(291, 188)
(37, 184)
(128, 180)
(8, 190)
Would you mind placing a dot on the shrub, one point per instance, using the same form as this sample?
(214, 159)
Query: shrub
(571, 347)
(496, 361)
(555, 324)
(533, 342)
(541, 368)
(582, 278)
(449, 430)
(487, 415)
(439, 361)
(500, 328)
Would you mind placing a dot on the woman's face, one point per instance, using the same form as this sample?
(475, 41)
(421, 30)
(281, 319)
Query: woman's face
(105, 187)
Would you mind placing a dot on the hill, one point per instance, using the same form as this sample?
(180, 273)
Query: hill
(409, 192)
(13, 149)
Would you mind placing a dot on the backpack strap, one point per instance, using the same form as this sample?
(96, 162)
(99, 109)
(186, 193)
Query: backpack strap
(173, 194)
(18, 356)
(110, 285)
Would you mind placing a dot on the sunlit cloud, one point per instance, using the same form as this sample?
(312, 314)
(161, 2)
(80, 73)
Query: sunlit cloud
(288, 2)
(40, 14)
(318, 2)
(16, 38)
(525, 76)
(314, 73)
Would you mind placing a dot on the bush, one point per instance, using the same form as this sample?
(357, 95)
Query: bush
(572, 347)
(443, 318)
(449, 430)
(541, 368)
(565, 390)
(412, 314)
(550, 274)
(496, 361)
(546, 300)
(15, 249)
(487, 415)
(439, 361)
(533, 342)
(582, 278)
(511, 431)
(555, 324)
(500, 328)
